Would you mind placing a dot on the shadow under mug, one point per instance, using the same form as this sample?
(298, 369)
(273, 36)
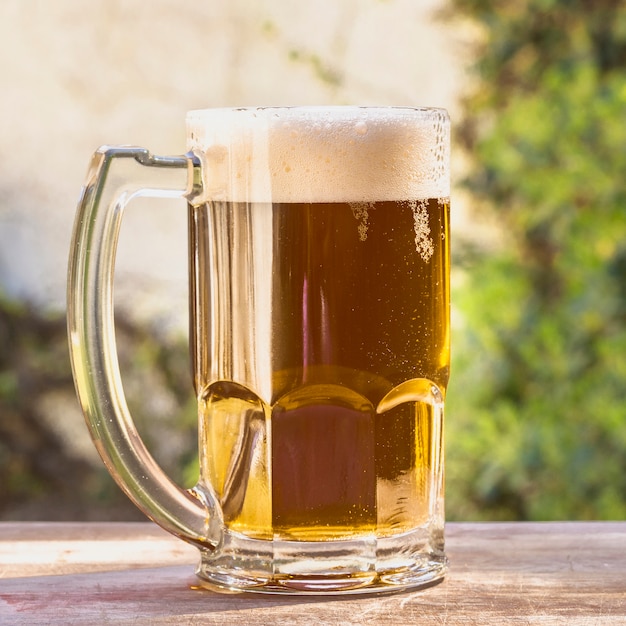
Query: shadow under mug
(319, 308)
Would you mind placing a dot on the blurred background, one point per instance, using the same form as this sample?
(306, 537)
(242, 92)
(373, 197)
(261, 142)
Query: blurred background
(536, 412)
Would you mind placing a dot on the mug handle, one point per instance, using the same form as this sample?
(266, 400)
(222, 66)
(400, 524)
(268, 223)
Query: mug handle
(116, 176)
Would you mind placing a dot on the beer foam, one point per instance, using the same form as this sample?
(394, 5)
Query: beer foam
(321, 154)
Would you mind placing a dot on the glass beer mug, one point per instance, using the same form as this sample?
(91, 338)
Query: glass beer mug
(319, 307)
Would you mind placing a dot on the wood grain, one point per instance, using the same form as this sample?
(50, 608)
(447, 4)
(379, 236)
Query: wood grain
(501, 573)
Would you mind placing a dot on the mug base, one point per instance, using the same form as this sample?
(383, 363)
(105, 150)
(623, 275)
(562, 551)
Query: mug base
(326, 585)
(364, 566)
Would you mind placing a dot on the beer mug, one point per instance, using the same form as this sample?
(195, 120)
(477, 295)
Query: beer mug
(319, 317)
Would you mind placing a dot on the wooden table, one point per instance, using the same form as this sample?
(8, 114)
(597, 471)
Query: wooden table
(501, 573)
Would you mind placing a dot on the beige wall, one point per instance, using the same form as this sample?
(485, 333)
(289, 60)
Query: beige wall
(78, 74)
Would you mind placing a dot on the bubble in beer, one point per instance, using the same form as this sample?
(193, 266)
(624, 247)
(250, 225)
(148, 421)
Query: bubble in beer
(360, 210)
(423, 241)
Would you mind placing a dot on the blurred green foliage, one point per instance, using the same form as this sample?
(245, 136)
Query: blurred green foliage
(537, 414)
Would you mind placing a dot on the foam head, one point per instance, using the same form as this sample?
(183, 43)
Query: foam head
(321, 154)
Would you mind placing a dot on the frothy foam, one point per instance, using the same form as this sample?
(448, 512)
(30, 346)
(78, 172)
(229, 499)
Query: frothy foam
(321, 154)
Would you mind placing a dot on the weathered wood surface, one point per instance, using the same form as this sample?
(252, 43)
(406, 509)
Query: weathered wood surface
(501, 573)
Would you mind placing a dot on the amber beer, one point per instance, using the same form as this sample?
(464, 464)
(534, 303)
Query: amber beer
(339, 441)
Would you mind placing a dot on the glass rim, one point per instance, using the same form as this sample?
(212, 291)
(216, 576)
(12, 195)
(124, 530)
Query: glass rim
(324, 109)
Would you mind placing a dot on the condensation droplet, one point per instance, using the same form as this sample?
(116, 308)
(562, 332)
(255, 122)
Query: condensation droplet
(360, 128)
